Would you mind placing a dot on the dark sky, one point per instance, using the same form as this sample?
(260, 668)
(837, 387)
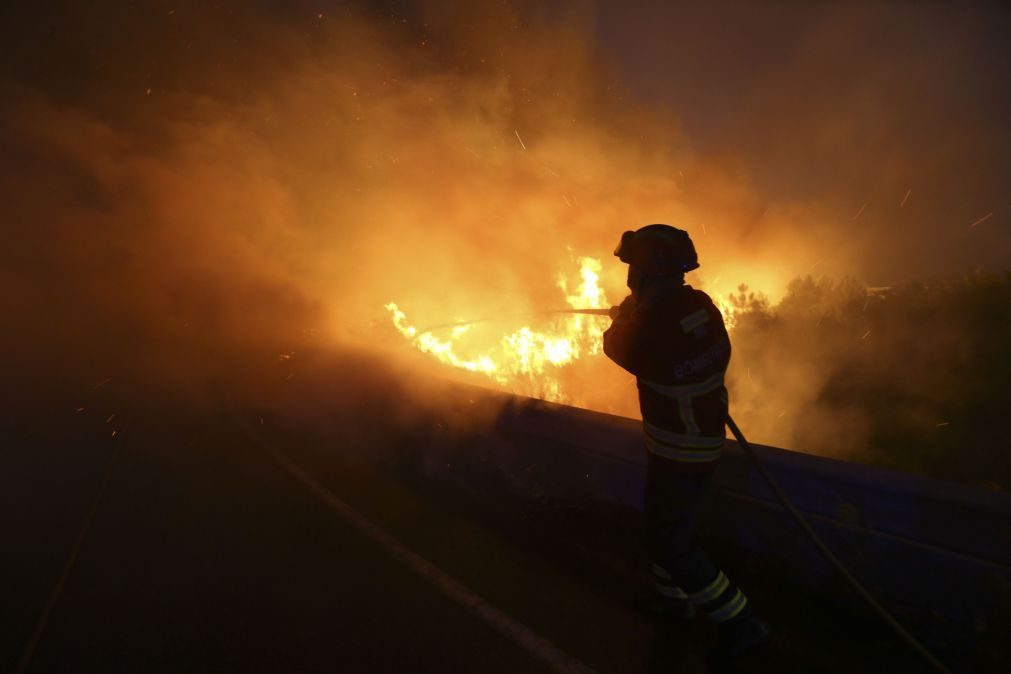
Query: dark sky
(850, 103)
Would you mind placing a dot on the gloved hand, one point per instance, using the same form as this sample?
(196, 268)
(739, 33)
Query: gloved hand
(626, 307)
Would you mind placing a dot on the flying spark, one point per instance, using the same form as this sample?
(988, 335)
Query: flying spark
(101, 384)
(865, 334)
(519, 139)
(983, 219)
(859, 212)
(908, 192)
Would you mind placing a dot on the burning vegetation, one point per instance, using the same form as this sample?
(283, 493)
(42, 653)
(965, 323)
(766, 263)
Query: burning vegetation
(524, 359)
(833, 368)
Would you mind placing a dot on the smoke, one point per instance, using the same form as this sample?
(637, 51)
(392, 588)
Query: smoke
(188, 185)
(913, 377)
(194, 190)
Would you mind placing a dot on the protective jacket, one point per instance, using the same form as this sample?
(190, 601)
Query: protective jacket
(673, 339)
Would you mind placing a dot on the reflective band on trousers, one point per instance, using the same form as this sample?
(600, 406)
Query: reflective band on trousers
(688, 390)
(670, 591)
(711, 591)
(683, 455)
(664, 586)
(731, 609)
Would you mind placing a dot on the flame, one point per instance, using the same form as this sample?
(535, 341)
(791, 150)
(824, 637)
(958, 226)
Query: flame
(729, 312)
(526, 356)
(532, 362)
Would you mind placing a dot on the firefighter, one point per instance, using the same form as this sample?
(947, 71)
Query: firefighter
(673, 339)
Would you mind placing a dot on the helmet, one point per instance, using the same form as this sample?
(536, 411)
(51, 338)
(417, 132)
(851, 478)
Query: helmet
(658, 250)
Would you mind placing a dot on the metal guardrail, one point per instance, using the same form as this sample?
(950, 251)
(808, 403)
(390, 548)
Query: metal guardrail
(903, 536)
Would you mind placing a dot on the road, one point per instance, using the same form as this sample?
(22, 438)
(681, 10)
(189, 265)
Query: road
(206, 554)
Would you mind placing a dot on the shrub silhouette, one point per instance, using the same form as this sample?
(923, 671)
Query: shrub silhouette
(915, 377)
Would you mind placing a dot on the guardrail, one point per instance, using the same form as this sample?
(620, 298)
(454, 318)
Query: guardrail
(938, 554)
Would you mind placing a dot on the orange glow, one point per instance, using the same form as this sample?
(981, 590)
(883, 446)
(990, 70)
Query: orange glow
(531, 361)
(524, 355)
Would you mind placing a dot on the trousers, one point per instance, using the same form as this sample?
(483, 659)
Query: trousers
(681, 569)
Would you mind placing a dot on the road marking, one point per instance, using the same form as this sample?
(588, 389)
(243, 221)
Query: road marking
(520, 634)
(54, 595)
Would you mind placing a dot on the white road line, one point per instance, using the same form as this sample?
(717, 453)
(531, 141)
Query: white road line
(521, 635)
(54, 595)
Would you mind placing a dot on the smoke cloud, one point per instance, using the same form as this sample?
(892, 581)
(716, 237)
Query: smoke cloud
(191, 189)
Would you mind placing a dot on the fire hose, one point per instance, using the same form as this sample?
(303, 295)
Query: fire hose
(855, 584)
(549, 312)
(781, 496)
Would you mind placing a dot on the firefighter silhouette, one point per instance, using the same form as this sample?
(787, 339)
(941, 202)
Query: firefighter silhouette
(673, 339)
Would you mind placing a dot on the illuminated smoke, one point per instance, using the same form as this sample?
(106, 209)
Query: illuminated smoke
(191, 189)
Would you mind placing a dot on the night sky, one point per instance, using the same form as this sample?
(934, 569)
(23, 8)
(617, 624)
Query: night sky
(853, 103)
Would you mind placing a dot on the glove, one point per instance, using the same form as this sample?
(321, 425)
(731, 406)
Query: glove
(622, 310)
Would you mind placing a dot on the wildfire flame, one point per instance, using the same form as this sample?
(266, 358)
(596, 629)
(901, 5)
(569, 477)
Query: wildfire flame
(530, 360)
(526, 354)
(729, 312)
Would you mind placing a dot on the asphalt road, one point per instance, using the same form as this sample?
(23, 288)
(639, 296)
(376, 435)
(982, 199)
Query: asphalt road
(206, 554)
